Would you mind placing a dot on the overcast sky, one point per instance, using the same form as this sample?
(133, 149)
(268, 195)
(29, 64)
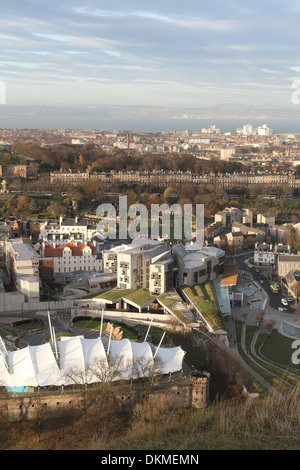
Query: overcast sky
(163, 53)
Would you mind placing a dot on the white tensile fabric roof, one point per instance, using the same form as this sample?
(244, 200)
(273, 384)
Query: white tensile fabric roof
(170, 359)
(35, 366)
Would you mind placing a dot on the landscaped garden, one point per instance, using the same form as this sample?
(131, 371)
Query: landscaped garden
(140, 296)
(203, 298)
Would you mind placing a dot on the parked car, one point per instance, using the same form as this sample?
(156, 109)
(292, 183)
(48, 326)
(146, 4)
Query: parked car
(290, 299)
(284, 302)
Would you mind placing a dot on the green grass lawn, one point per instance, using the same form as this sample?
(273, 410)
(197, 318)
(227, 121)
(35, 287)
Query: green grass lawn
(129, 332)
(265, 365)
(169, 301)
(139, 296)
(3, 333)
(278, 349)
(203, 297)
(133, 333)
(114, 294)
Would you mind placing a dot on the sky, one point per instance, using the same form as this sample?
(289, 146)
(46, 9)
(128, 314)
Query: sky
(165, 53)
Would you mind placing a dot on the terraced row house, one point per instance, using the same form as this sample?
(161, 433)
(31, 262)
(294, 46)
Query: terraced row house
(164, 179)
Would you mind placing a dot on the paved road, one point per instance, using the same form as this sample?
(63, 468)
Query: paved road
(263, 275)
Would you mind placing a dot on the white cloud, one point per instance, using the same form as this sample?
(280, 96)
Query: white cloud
(55, 37)
(194, 23)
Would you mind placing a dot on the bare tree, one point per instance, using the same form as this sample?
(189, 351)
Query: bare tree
(269, 324)
(40, 416)
(100, 418)
(107, 372)
(145, 371)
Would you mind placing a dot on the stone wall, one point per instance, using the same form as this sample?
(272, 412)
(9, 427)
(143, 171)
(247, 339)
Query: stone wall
(34, 406)
(30, 406)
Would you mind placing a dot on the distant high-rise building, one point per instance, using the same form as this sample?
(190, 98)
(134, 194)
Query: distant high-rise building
(264, 130)
(227, 153)
(247, 129)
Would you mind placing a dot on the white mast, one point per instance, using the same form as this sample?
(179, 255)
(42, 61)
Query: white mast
(110, 333)
(148, 330)
(101, 325)
(4, 352)
(159, 345)
(55, 345)
(50, 327)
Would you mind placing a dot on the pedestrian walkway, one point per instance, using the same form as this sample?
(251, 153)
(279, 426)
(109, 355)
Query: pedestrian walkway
(254, 373)
(292, 331)
(223, 297)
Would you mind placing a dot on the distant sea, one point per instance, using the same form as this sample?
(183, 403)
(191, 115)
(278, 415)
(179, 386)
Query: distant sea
(41, 119)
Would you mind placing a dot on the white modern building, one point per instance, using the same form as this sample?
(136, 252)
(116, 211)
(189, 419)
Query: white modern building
(142, 264)
(264, 130)
(196, 265)
(23, 265)
(248, 129)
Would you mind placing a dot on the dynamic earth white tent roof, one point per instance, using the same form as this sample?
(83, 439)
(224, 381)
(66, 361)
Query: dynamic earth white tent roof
(37, 365)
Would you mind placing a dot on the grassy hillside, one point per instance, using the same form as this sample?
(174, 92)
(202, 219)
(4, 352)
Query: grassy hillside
(256, 424)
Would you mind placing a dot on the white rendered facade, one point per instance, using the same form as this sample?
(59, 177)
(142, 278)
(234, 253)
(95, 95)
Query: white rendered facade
(264, 254)
(24, 268)
(142, 264)
(196, 264)
(67, 230)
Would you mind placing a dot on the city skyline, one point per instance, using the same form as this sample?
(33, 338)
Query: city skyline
(155, 54)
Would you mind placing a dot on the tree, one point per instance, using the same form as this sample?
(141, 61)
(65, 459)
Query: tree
(270, 324)
(56, 210)
(40, 416)
(144, 371)
(170, 195)
(260, 317)
(80, 162)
